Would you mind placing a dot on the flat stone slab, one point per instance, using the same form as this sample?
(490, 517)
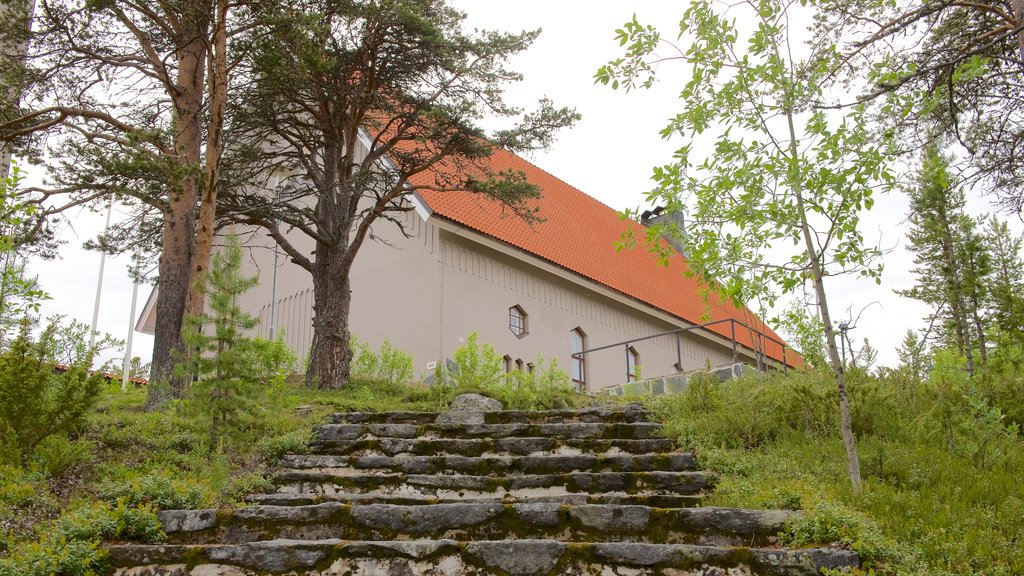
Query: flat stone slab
(493, 465)
(652, 500)
(488, 521)
(575, 430)
(519, 446)
(528, 557)
(324, 482)
(629, 413)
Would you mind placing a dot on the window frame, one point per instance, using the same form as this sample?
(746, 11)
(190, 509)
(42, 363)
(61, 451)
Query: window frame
(518, 321)
(632, 363)
(578, 365)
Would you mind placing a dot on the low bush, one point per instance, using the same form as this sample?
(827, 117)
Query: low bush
(57, 456)
(160, 489)
(478, 368)
(69, 546)
(940, 463)
(36, 402)
(388, 365)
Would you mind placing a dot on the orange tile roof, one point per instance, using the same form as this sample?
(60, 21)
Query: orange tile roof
(578, 233)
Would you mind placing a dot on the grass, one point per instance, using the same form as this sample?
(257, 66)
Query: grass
(942, 488)
(108, 479)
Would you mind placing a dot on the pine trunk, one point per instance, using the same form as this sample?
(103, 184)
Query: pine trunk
(331, 356)
(175, 272)
(218, 91)
(179, 218)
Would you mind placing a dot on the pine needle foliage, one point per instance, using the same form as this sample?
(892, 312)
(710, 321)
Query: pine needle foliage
(225, 375)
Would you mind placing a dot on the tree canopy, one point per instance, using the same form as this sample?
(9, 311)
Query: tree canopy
(353, 106)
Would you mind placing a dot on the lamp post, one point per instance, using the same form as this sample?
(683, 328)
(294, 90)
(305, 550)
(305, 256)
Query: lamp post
(99, 281)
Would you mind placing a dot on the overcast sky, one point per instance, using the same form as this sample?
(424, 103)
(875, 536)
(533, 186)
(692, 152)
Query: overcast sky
(609, 155)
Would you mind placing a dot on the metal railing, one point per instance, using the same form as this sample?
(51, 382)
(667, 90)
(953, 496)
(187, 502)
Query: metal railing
(758, 351)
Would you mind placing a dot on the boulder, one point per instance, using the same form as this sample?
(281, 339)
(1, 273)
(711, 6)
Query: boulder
(469, 409)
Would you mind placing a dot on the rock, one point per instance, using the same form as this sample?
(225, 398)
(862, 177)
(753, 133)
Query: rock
(612, 518)
(415, 549)
(426, 519)
(519, 557)
(187, 520)
(539, 515)
(469, 409)
(273, 555)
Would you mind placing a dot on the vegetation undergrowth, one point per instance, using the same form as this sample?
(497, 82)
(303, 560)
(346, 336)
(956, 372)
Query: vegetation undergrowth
(102, 475)
(477, 368)
(940, 458)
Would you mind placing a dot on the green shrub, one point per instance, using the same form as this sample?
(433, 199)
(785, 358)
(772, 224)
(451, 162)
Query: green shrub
(272, 360)
(159, 489)
(57, 456)
(55, 558)
(476, 366)
(388, 365)
(742, 413)
(270, 449)
(542, 388)
(70, 546)
(241, 486)
(36, 402)
(829, 522)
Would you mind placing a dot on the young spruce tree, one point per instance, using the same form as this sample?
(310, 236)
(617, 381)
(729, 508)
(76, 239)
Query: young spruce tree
(226, 376)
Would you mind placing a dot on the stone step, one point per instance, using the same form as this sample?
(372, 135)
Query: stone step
(477, 521)
(490, 446)
(652, 500)
(451, 557)
(517, 485)
(491, 465)
(574, 430)
(630, 413)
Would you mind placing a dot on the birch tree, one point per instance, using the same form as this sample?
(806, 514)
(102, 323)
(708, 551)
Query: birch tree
(776, 201)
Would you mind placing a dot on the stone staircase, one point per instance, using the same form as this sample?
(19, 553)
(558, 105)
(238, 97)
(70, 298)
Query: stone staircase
(591, 491)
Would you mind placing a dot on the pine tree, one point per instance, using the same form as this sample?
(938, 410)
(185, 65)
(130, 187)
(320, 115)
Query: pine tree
(1006, 277)
(222, 362)
(951, 258)
(1005, 294)
(912, 356)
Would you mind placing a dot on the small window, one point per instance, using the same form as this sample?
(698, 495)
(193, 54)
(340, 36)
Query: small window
(507, 363)
(529, 367)
(577, 344)
(519, 364)
(517, 321)
(632, 364)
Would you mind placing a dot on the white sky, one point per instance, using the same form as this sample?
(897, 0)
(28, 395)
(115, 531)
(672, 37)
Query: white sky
(609, 155)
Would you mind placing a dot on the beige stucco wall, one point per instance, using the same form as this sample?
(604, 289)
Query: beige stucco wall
(480, 284)
(427, 292)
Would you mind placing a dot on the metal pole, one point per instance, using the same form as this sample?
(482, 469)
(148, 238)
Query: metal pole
(760, 351)
(628, 378)
(273, 295)
(131, 333)
(99, 282)
(679, 354)
(273, 283)
(126, 366)
(732, 325)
